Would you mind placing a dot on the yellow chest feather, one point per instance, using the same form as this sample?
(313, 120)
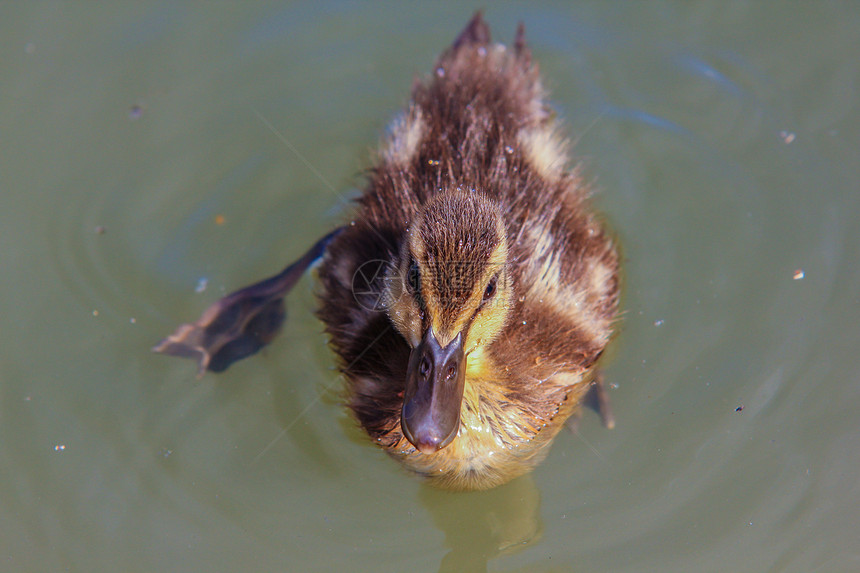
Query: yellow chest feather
(497, 440)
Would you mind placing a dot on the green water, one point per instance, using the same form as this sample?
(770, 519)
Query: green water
(150, 150)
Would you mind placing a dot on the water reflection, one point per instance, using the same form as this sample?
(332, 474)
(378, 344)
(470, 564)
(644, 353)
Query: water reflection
(481, 525)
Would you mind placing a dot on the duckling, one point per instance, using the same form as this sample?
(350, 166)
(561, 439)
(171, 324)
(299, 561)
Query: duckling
(472, 293)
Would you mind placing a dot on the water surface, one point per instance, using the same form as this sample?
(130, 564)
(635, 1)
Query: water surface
(151, 150)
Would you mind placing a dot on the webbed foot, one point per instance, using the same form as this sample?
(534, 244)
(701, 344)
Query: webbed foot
(241, 323)
(601, 396)
(596, 398)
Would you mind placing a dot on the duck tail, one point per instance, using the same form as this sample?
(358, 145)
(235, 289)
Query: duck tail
(476, 32)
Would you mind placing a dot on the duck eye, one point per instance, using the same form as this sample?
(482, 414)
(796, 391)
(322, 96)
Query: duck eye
(490, 290)
(413, 277)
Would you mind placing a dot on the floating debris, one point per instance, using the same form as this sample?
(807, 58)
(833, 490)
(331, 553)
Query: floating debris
(739, 408)
(659, 322)
(95, 313)
(201, 285)
(59, 447)
(786, 136)
(100, 230)
(219, 219)
(135, 112)
(798, 274)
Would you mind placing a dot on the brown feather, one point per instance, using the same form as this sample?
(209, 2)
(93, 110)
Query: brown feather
(479, 127)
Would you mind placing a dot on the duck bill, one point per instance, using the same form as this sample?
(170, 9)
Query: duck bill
(435, 379)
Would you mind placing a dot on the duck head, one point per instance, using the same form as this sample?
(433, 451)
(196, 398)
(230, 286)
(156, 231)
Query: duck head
(448, 295)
